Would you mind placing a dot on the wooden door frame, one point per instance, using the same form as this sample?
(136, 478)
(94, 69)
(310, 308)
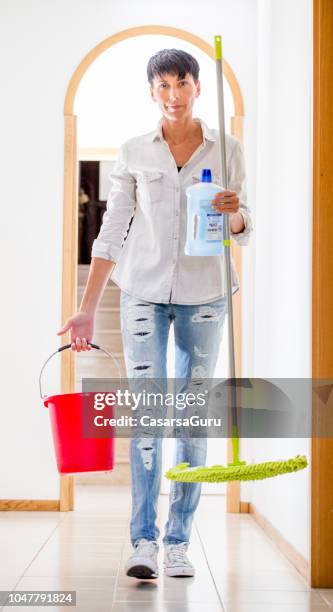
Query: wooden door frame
(322, 289)
(69, 278)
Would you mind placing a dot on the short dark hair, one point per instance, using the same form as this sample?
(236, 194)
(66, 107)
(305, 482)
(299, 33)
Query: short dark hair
(172, 61)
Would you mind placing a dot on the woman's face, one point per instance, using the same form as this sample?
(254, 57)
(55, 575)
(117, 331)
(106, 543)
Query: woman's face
(174, 96)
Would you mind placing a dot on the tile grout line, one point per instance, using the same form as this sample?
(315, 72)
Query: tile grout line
(210, 571)
(118, 573)
(327, 603)
(34, 557)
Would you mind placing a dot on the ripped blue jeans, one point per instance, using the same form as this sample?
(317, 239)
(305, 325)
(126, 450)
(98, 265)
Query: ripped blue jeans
(145, 330)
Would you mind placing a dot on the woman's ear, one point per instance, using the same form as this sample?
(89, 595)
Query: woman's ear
(198, 89)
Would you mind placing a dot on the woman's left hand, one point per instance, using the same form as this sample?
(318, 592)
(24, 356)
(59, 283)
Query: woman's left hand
(226, 202)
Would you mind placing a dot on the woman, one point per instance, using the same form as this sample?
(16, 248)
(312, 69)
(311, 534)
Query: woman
(160, 285)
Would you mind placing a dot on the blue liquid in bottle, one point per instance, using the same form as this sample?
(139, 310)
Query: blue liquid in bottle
(204, 224)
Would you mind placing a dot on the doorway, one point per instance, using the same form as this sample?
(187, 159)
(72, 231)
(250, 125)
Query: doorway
(70, 253)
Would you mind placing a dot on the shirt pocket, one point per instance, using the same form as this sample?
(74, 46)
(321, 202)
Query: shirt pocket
(151, 186)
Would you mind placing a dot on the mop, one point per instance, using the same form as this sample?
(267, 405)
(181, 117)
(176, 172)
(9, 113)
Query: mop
(237, 469)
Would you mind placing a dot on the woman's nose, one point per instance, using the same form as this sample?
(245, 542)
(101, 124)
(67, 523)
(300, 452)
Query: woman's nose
(174, 95)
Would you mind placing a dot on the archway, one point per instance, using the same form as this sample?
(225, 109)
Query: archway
(70, 217)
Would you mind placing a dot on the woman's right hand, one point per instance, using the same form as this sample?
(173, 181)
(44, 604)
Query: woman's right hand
(81, 326)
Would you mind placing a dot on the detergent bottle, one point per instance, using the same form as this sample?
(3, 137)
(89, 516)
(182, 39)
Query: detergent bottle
(205, 225)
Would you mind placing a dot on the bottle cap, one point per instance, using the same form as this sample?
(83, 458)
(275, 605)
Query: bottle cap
(206, 175)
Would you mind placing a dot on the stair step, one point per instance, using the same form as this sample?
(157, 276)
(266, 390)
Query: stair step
(82, 275)
(107, 332)
(98, 367)
(110, 297)
(107, 318)
(110, 340)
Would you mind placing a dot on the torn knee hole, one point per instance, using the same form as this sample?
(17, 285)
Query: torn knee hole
(146, 449)
(206, 313)
(141, 368)
(140, 323)
(198, 352)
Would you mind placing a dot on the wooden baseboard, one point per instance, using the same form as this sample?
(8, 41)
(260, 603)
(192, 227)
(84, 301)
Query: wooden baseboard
(295, 558)
(17, 505)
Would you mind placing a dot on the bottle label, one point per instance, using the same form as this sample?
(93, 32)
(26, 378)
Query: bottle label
(213, 225)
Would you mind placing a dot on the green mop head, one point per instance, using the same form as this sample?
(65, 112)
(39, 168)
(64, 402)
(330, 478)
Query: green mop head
(235, 471)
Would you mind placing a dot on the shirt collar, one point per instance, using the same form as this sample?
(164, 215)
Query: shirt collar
(207, 133)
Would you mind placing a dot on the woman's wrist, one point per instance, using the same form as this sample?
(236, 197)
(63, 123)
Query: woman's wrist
(88, 309)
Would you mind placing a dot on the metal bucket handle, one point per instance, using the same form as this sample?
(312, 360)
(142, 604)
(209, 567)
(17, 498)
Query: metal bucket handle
(66, 346)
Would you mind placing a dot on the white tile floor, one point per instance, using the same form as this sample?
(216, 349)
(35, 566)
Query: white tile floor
(238, 568)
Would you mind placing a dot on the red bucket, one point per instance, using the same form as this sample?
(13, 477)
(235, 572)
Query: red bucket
(76, 453)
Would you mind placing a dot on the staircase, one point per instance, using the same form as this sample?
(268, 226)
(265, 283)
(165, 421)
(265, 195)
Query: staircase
(94, 364)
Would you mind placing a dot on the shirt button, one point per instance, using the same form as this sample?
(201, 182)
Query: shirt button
(177, 189)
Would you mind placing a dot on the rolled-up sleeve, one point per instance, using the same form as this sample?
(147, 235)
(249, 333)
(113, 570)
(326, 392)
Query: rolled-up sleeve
(237, 182)
(119, 211)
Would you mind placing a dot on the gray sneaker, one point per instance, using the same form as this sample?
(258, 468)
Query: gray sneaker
(176, 562)
(142, 563)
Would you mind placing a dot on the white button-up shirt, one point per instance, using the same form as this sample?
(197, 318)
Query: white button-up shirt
(150, 262)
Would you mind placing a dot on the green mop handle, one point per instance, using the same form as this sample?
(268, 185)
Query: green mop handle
(226, 243)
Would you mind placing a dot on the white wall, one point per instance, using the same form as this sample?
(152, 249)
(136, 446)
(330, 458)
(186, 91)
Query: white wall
(282, 291)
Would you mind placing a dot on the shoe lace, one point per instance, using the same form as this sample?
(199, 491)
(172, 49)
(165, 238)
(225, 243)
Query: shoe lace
(146, 546)
(177, 553)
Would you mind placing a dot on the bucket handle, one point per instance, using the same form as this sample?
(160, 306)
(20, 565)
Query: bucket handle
(67, 346)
